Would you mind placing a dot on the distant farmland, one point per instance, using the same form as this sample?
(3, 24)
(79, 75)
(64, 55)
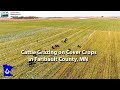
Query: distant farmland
(102, 35)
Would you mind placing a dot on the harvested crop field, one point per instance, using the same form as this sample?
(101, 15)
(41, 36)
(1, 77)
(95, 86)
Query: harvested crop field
(101, 35)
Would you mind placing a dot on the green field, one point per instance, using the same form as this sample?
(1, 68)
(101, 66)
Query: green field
(101, 35)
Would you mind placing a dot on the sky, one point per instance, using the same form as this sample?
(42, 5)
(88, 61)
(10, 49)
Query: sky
(68, 13)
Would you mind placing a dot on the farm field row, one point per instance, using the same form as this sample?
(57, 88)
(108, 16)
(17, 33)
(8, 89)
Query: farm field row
(101, 35)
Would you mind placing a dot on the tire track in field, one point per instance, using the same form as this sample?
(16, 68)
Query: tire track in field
(88, 68)
(104, 66)
(110, 68)
(117, 38)
(79, 64)
(98, 69)
(117, 49)
(83, 64)
(113, 65)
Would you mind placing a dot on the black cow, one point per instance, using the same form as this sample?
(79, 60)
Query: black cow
(69, 49)
(79, 46)
(65, 40)
(57, 46)
(31, 63)
(53, 47)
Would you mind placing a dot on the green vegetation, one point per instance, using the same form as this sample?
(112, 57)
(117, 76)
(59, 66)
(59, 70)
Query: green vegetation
(102, 35)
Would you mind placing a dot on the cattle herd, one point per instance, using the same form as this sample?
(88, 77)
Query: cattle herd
(31, 63)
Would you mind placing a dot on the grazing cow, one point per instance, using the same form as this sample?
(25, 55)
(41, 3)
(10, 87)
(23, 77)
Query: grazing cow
(65, 40)
(79, 46)
(31, 63)
(69, 49)
(57, 46)
(53, 47)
